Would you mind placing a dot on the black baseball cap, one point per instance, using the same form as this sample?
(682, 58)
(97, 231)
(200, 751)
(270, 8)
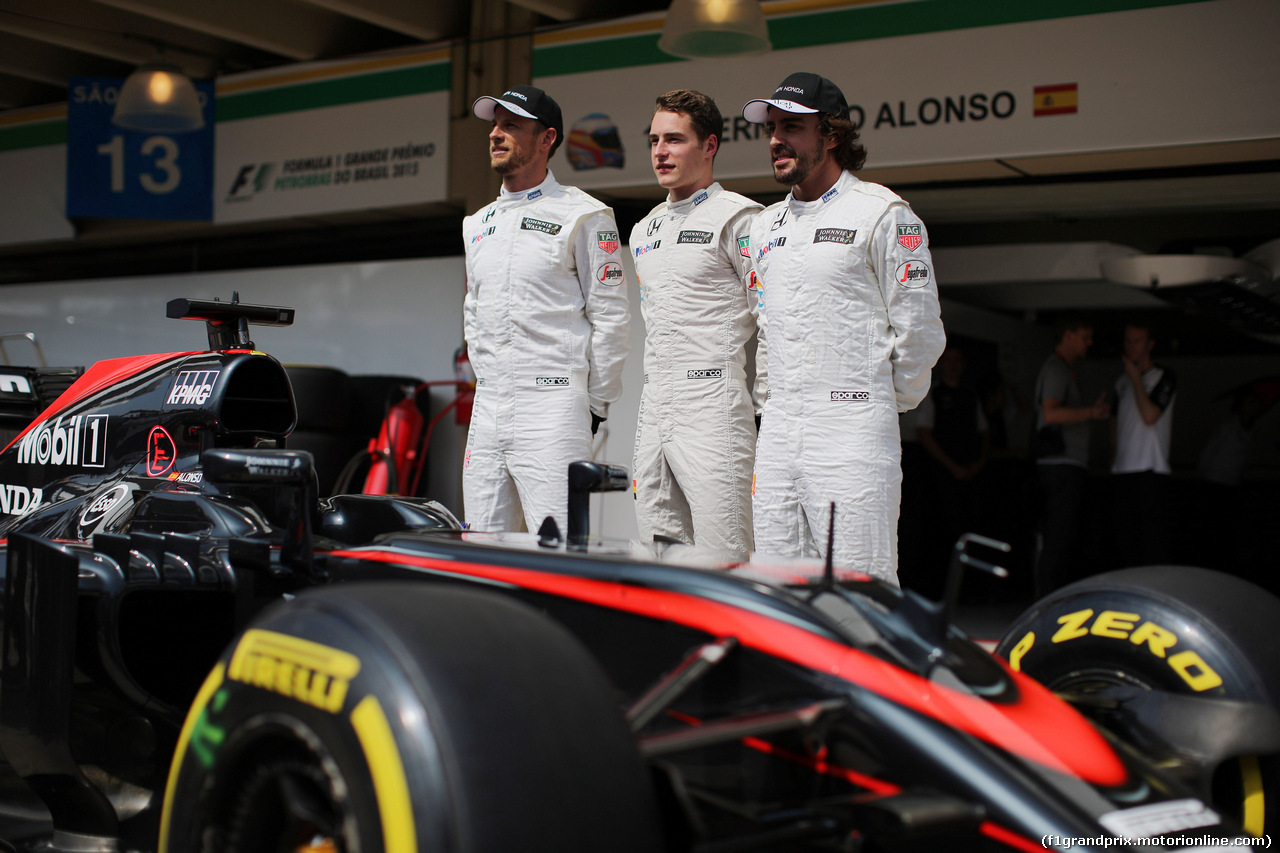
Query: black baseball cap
(801, 92)
(527, 101)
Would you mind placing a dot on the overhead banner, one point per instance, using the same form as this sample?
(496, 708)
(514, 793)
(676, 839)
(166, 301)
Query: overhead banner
(333, 137)
(980, 82)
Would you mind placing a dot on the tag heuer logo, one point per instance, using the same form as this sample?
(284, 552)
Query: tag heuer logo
(707, 373)
(850, 396)
(744, 246)
(608, 241)
(528, 224)
(702, 237)
(551, 382)
(834, 235)
(909, 237)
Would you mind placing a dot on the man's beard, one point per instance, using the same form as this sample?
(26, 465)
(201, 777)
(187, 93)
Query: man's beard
(516, 159)
(802, 168)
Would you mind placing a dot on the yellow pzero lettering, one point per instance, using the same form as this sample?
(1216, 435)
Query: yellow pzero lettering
(293, 667)
(1114, 624)
(1072, 626)
(1024, 645)
(1159, 640)
(1193, 670)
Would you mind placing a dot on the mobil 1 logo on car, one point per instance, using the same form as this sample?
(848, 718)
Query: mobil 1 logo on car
(78, 441)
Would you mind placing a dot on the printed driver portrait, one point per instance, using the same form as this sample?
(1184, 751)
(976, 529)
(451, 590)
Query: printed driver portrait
(851, 317)
(545, 321)
(696, 432)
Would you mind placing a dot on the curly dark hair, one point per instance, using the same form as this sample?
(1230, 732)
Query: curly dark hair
(849, 152)
(703, 113)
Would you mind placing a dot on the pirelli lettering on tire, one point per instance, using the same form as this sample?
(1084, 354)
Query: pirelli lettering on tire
(850, 396)
(295, 668)
(551, 382)
(1123, 626)
(708, 373)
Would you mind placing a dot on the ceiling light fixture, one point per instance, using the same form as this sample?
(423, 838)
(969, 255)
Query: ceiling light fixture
(714, 29)
(158, 98)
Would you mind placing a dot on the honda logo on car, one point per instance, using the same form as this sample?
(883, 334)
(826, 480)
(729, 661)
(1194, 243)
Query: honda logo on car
(11, 384)
(80, 440)
(19, 500)
(192, 388)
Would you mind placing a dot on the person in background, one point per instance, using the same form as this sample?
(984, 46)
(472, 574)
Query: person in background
(545, 320)
(1142, 430)
(696, 436)
(1062, 450)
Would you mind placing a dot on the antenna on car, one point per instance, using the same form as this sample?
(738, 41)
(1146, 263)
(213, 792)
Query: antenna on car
(829, 568)
(228, 322)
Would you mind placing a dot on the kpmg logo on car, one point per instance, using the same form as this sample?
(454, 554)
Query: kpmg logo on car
(79, 441)
(706, 373)
(192, 388)
(850, 396)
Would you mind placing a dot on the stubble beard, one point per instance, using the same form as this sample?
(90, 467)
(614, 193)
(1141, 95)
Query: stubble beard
(515, 160)
(802, 168)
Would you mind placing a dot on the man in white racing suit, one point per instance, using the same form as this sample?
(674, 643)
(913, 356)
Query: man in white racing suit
(851, 316)
(545, 319)
(695, 440)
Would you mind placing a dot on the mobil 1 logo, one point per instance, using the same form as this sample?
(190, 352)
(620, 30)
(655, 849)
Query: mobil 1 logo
(79, 441)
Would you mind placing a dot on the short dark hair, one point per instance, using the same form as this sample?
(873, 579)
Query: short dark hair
(703, 113)
(1069, 322)
(849, 152)
(542, 126)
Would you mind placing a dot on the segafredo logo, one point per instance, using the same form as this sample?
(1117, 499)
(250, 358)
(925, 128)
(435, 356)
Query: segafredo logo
(79, 441)
(610, 273)
(19, 500)
(192, 388)
(913, 274)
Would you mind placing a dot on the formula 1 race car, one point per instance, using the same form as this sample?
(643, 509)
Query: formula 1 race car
(201, 654)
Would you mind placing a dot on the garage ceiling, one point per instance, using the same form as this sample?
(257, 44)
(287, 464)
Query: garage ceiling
(1225, 198)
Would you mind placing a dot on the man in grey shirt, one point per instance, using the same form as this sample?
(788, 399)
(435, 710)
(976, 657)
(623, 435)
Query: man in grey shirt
(1062, 452)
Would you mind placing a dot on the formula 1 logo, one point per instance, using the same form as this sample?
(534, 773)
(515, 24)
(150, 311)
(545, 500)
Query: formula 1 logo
(192, 388)
(909, 237)
(79, 441)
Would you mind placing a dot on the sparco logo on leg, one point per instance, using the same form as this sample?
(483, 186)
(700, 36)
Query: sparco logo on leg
(850, 396)
(80, 441)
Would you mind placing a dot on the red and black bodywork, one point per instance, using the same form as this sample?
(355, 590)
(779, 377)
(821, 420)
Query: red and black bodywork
(774, 706)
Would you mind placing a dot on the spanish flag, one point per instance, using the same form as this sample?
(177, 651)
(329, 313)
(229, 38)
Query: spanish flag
(1055, 100)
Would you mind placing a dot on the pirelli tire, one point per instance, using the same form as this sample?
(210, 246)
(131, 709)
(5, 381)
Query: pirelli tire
(399, 717)
(1185, 630)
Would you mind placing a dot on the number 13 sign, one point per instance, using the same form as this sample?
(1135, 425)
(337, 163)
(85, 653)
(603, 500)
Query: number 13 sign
(131, 174)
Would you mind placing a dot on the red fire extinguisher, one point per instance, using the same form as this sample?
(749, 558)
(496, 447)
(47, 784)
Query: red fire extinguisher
(395, 449)
(463, 373)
